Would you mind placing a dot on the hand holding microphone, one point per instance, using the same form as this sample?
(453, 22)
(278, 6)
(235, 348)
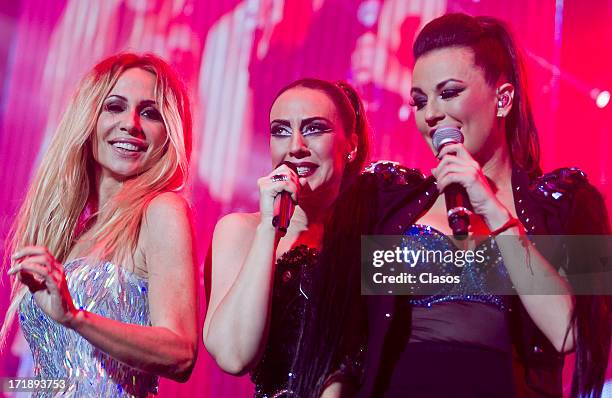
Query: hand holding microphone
(281, 219)
(457, 200)
(278, 196)
(466, 188)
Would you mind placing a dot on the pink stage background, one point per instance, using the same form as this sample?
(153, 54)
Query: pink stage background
(234, 55)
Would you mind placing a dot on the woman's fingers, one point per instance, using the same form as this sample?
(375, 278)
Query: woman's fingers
(270, 187)
(35, 276)
(36, 254)
(281, 179)
(450, 178)
(449, 162)
(43, 260)
(30, 251)
(457, 150)
(285, 170)
(465, 174)
(31, 267)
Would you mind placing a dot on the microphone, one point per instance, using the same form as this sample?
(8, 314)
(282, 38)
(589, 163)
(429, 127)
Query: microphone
(281, 220)
(458, 204)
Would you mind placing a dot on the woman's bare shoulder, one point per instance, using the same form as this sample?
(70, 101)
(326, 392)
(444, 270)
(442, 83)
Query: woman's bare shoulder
(237, 224)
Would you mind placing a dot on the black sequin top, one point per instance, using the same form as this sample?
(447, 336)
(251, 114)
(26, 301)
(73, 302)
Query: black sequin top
(293, 284)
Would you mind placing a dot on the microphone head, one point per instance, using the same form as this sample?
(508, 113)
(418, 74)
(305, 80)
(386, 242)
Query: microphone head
(446, 135)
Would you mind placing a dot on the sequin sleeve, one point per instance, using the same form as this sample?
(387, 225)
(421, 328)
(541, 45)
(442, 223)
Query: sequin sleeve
(581, 209)
(402, 195)
(392, 174)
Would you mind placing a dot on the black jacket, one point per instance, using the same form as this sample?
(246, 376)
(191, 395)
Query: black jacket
(557, 203)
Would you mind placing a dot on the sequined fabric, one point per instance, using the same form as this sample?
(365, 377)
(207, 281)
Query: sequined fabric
(104, 289)
(475, 278)
(292, 287)
(557, 203)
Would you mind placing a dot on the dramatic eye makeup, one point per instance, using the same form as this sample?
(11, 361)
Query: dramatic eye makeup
(308, 127)
(118, 104)
(446, 89)
(280, 128)
(150, 111)
(115, 104)
(451, 92)
(418, 99)
(315, 126)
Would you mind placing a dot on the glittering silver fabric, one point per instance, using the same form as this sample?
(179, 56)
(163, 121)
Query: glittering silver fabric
(104, 289)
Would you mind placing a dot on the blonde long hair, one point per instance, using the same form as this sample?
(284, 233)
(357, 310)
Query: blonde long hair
(57, 200)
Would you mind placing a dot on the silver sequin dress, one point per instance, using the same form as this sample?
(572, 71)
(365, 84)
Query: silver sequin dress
(104, 289)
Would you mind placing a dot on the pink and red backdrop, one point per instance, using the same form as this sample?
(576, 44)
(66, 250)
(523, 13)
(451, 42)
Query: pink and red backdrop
(234, 55)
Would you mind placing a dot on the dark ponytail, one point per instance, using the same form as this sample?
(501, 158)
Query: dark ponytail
(361, 128)
(334, 335)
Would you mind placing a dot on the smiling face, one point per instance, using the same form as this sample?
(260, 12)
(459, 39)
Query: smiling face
(130, 133)
(307, 131)
(449, 90)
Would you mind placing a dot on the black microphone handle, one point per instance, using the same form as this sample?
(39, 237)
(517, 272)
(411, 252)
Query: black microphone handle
(459, 209)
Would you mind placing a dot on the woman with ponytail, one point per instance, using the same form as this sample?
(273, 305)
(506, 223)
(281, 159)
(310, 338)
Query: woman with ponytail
(272, 309)
(468, 77)
(102, 261)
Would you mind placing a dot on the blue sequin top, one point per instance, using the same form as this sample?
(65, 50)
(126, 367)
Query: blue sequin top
(476, 279)
(451, 313)
(104, 289)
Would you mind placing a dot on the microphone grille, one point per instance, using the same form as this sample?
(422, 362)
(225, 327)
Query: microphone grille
(446, 135)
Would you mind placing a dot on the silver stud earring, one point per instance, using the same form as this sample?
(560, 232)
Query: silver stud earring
(349, 157)
(500, 108)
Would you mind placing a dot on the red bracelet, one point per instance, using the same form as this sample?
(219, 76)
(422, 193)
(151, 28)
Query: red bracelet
(512, 222)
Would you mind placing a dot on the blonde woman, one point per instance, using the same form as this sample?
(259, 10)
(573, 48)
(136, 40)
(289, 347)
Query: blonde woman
(102, 265)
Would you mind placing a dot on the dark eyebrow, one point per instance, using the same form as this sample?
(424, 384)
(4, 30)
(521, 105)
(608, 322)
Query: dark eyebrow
(443, 83)
(438, 86)
(141, 104)
(303, 123)
(309, 120)
(281, 122)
